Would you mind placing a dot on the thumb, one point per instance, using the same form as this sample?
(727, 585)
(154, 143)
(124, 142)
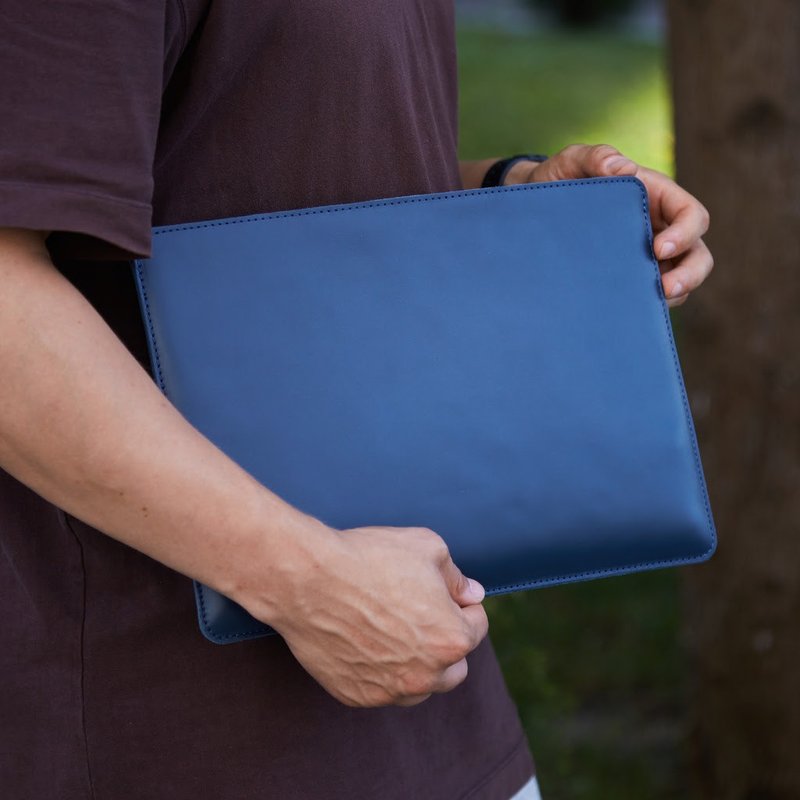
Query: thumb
(584, 161)
(464, 591)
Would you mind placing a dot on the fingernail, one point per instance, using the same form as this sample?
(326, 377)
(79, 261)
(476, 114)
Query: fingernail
(667, 249)
(677, 290)
(476, 590)
(616, 162)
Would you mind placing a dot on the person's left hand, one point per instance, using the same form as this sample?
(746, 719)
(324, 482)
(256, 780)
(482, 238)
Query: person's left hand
(679, 220)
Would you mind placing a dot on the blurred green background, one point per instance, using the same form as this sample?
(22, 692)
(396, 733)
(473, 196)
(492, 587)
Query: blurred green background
(596, 668)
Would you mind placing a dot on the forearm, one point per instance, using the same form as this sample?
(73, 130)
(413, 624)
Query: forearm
(376, 615)
(84, 426)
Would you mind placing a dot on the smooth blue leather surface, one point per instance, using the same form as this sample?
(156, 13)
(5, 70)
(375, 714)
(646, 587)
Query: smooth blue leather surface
(497, 365)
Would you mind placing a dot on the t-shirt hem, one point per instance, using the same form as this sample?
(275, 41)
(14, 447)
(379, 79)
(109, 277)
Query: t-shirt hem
(84, 224)
(507, 777)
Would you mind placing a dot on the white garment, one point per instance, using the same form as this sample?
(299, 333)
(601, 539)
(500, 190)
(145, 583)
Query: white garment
(530, 791)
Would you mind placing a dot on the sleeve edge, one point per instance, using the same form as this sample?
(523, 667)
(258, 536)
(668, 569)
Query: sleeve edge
(85, 224)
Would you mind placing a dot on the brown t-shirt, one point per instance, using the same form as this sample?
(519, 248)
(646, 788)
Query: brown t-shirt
(123, 114)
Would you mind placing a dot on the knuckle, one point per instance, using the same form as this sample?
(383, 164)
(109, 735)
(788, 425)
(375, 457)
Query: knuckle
(603, 150)
(483, 623)
(464, 641)
(458, 674)
(448, 655)
(438, 547)
(705, 217)
(458, 645)
(572, 150)
(427, 538)
(600, 153)
(413, 684)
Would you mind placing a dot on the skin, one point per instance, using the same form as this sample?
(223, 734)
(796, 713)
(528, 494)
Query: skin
(376, 615)
(679, 220)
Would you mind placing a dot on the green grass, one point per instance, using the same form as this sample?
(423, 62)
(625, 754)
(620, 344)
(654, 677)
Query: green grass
(596, 672)
(596, 668)
(523, 94)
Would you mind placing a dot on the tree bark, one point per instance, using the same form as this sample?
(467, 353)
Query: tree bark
(736, 84)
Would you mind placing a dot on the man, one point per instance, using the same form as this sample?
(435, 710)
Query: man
(126, 114)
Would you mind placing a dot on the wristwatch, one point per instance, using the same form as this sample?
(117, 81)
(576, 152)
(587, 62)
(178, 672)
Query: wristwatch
(496, 174)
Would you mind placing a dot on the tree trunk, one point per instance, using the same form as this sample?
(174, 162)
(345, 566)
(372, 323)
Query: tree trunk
(736, 82)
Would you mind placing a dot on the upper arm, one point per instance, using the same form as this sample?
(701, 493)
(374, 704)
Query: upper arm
(80, 88)
(21, 241)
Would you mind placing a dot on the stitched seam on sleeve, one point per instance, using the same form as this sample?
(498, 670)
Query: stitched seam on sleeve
(47, 187)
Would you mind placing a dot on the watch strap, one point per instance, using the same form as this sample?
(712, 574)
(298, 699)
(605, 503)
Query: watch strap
(496, 174)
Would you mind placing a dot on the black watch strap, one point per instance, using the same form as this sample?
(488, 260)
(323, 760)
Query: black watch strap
(496, 174)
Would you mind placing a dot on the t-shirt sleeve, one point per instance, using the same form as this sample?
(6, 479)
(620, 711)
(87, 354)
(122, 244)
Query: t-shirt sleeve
(81, 86)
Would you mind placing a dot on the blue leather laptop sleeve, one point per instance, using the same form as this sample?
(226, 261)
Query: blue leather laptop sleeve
(497, 365)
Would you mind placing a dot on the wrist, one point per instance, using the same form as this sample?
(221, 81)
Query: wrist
(277, 560)
(499, 173)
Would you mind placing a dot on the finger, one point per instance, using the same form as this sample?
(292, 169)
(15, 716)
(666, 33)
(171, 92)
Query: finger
(412, 700)
(664, 267)
(585, 161)
(598, 160)
(677, 301)
(686, 221)
(465, 591)
(589, 161)
(477, 624)
(606, 160)
(453, 676)
(689, 272)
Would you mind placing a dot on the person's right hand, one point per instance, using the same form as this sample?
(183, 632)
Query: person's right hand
(376, 615)
(384, 617)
